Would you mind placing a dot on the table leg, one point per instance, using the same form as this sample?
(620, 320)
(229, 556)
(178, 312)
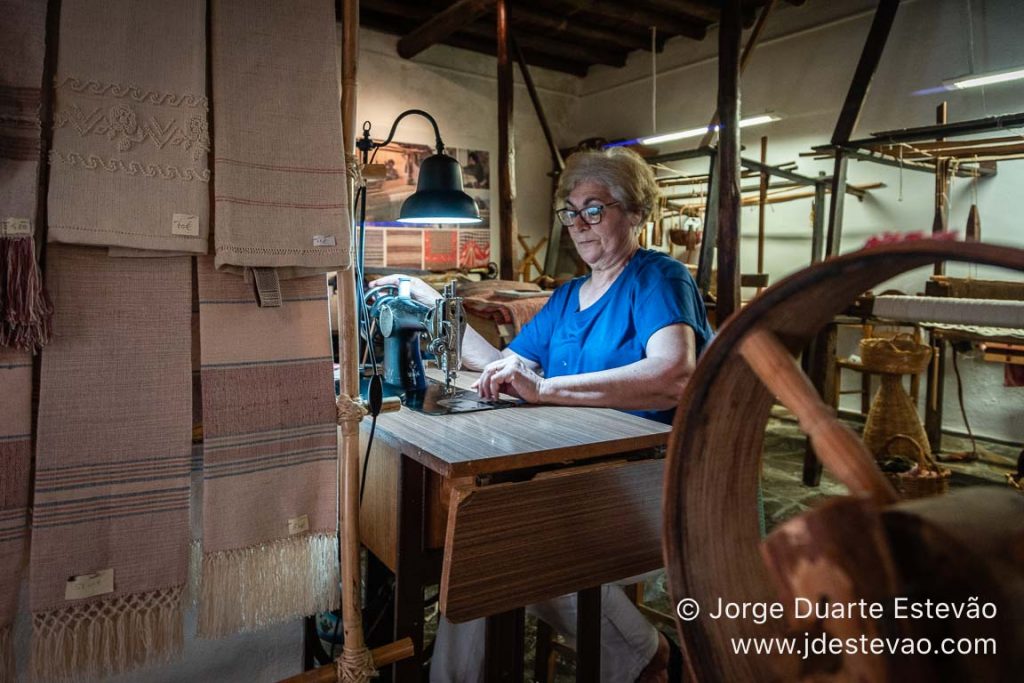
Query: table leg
(542, 653)
(588, 635)
(409, 574)
(934, 395)
(503, 647)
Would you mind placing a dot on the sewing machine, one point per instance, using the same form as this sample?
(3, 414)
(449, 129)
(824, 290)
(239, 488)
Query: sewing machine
(402, 322)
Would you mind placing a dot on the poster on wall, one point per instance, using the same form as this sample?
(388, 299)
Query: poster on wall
(432, 247)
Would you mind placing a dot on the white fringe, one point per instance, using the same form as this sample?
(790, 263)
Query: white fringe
(253, 587)
(102, 638)
(6, 655)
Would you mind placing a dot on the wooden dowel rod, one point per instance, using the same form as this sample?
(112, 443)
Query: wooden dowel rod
(842, 452)
(382, 656)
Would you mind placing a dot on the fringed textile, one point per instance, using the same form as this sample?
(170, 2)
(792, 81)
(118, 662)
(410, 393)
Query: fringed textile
(25, 309)
(269, 454)
(280, 192)
(112, 465)
(129, 161)
(15, 464)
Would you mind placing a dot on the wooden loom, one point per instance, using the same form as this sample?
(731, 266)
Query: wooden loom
(852, 548)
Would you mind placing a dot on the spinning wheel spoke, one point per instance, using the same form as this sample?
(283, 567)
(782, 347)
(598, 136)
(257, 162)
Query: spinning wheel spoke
(837, 446)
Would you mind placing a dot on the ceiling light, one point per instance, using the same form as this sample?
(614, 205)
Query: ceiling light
(972, 81)
(695, 132)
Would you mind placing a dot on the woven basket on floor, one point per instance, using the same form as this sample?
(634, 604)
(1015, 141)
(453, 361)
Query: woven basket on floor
(926, 479)
(900, 355)
(892, 412)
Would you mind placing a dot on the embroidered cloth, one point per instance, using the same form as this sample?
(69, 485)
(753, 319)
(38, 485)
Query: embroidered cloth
(269, 454)
(280, 191)
(112, 465)
(130, 139)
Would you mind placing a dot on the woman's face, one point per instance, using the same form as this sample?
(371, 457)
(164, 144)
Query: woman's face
(611, 240)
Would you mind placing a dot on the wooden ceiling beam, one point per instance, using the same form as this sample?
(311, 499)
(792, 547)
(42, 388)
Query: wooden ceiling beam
(374, 17)
(580, 32)
(588, 54)
(640, 16)
(705, 11)
(436, 29)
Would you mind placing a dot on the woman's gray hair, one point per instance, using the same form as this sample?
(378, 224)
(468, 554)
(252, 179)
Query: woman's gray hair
(629, 178)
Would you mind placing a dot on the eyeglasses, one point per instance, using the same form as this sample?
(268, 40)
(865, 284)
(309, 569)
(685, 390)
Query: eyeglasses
(591, 215)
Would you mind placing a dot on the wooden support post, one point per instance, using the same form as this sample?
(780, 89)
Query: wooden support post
(941, 222)
(836, 204)
(706, 260)
(748, 49)
(973, 232)
(878, 34)
(506, 148)
(935, 394)
(729, 32)
(588, 635)
(818, 224)
(556, 155)
(503, 646)
(761, 204)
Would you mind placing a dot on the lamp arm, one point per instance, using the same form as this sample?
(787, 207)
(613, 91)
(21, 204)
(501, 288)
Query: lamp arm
(394, 127)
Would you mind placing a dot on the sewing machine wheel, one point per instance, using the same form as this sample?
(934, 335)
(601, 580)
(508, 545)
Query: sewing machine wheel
(711, 530)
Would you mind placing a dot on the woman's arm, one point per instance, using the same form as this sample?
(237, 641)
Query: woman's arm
(653, 383)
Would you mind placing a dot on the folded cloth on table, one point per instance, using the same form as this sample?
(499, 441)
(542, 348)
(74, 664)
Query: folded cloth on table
(280, 191)
(269, 454)
(109, 556)
(129, 161)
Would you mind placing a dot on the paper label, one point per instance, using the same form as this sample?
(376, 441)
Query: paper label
(298, 525)
(16, 227)
(89, 585)
(324, 241)
(185, 224)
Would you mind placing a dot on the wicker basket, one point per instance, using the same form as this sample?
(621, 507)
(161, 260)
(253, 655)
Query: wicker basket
(900, 355)
(926, 479)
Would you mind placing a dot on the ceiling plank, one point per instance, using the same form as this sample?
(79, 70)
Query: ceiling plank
(579, 31)
(694, 8)
(640, 16)
(440, 26)
(589, 54)
(377, 19)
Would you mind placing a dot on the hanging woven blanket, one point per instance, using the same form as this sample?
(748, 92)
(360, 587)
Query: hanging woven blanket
(25, 310)
(109, 556)
(279, 163)
(15, 462)
(269, 454)
(130, 139)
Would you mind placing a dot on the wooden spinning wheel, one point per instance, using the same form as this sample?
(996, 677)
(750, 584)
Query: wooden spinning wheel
(711, 536)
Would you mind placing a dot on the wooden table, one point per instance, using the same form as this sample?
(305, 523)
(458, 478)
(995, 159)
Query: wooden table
(504, 508)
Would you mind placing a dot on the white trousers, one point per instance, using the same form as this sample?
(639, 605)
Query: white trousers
(628, 640)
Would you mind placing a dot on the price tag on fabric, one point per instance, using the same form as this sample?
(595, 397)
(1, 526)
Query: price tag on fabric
(89, 585)
(324, 241)
(16, 227)
(298, 525)
(185, 224)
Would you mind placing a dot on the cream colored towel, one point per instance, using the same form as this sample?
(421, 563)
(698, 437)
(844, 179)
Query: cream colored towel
(280, 189)
(111, 500)
(130, 142)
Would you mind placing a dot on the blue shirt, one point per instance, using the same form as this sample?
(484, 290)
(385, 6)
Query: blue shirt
(653, 291)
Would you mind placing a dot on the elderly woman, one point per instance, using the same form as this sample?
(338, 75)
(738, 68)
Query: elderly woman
(625, 336)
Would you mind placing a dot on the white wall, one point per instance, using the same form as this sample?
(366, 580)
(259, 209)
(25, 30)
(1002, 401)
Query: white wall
(801, 70)
(459, 88)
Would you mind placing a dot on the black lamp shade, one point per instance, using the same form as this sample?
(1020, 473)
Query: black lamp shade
(439, 197)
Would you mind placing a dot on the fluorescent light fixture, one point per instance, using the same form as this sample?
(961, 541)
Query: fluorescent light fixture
(972, 81)
(695, 132)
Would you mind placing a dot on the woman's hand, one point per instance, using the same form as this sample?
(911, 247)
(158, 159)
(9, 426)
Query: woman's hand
(510, 375)
(418, 289)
